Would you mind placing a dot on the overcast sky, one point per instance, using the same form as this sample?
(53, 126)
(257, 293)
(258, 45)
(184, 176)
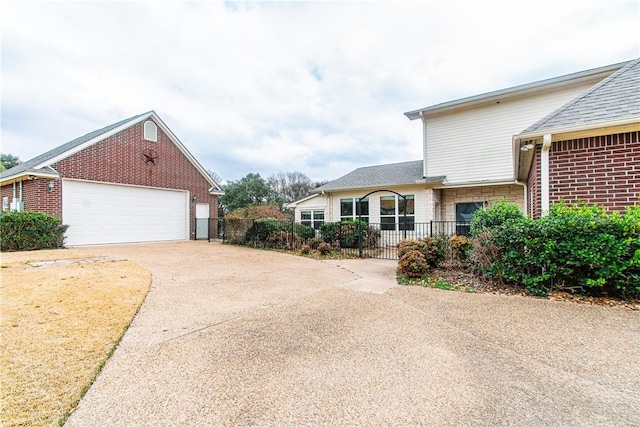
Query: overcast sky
(315, 87)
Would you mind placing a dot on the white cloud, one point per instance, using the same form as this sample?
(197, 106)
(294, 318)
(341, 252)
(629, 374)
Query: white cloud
(267, 87)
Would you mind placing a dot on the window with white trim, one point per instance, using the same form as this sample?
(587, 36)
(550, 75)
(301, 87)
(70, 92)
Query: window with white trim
(351, 209)
(150, 131)
(392, 212)
(312, 218)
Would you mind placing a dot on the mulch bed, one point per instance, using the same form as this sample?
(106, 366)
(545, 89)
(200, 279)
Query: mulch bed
(461, 277)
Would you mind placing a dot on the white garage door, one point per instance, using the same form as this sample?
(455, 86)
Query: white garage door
(106, 213)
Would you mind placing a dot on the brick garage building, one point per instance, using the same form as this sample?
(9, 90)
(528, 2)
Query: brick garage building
(588, 150)
(132, 181)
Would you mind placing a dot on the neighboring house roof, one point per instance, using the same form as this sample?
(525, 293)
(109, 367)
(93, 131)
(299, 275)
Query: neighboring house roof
(40, 166)
(381, 176)
(515, 91)
(615, 98)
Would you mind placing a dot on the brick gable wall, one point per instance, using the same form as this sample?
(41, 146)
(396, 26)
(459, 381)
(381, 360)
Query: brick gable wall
(603, 170)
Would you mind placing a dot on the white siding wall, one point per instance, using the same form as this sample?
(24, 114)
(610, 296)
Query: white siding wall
(316, 204)
(419, 191)
(475, 144)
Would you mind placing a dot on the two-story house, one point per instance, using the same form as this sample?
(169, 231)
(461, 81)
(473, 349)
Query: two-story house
(468, 160)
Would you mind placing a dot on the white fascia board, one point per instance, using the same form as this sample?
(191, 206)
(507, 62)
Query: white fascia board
(294, 204)
(475, 184)
(24, 176)
(578, 128)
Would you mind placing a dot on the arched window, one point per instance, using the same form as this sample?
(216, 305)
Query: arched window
(150, 131)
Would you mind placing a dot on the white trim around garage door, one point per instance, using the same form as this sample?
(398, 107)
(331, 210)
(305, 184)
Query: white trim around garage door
(105, 213)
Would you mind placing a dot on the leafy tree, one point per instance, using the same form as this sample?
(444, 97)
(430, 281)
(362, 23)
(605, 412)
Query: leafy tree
(7, 161)
(250, 190)
(291, 186)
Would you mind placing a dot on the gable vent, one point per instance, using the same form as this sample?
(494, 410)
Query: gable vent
(150, 131)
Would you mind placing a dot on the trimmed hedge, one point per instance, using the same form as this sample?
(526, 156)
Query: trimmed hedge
(28, 231)
(579, 248)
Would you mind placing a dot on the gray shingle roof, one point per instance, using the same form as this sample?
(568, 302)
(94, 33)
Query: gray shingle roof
(29, 165)
(380, 176)
(617, 97)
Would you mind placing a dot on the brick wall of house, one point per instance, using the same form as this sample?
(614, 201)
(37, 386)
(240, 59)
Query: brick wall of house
(119, 159)
(603, 170)
(36, 196)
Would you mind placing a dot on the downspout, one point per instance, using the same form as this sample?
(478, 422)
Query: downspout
(424, 144)
(526, 196)
(544, 174)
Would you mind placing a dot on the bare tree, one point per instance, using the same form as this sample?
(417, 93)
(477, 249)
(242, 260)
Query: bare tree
(217, 178)
(291, 186)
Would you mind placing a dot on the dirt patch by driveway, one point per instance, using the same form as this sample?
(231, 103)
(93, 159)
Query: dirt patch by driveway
(235, 336)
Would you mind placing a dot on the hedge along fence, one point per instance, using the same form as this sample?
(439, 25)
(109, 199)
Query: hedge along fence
(289, 235)
(575, 247)
(349, 233)
(27, 231)
(267, 232)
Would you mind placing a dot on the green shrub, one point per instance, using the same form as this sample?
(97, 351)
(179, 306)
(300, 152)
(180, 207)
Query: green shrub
(579, 248)
(303, 231)
(26, 231)
(499, 213)
(433, 249)
(260, 230)
(349, 233)
(413, 264)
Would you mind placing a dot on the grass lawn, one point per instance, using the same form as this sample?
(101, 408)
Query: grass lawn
(60, 321)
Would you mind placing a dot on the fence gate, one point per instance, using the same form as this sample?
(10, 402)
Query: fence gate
(202, 221)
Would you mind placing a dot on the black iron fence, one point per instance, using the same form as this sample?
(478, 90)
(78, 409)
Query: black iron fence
(351, 238)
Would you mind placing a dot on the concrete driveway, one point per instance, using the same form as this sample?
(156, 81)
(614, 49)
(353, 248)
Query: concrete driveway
(235, 336)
